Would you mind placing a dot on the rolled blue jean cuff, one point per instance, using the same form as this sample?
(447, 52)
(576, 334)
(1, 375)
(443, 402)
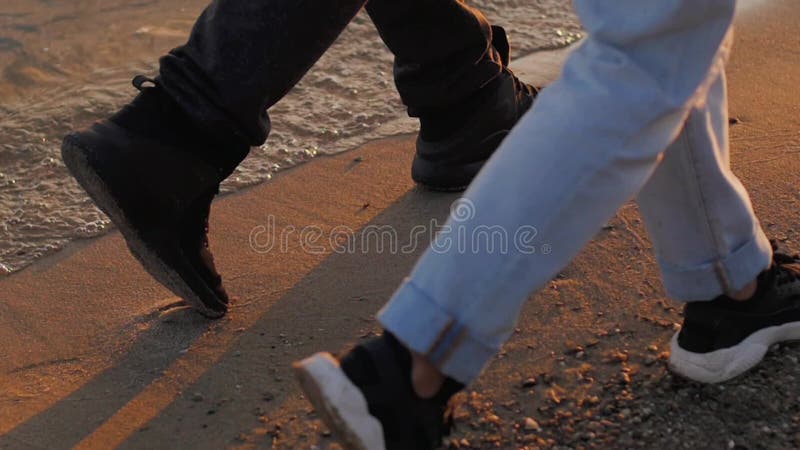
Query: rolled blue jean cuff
(424, 327)
(722, 276)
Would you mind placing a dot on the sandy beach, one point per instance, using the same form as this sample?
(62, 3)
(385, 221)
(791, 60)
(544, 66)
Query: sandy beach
(64, 64)
(96, 355)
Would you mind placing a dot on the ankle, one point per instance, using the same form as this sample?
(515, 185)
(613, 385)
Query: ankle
(425, 378)
(746, 293)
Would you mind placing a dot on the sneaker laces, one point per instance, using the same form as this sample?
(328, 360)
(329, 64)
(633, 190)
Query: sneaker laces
(198, 217)
(445, 394)
(525, 92)
(448, 420)
(785, 267)
(196, 240)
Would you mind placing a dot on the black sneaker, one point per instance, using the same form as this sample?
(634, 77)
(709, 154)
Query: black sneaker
(723, 338)
(448, 161)
(156, 192)
(367, 399)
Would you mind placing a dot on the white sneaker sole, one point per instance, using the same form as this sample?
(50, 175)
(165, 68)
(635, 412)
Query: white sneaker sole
(724, 364)
(340, 403)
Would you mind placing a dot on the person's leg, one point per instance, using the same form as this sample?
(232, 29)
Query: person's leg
(443, 50)
(706, 237)
(209, 105)
(451, 70)
(244, 56)
(591, 141)
(714, 255)
(155, 166)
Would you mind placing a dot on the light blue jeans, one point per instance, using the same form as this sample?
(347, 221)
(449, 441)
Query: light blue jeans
(640, 108)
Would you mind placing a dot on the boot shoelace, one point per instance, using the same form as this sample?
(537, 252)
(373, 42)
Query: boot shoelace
(201, 219)
(525, 92)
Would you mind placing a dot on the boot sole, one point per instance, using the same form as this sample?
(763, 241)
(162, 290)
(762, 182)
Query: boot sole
(431, 176)
(76, 159)
(339, 402)
(725, 364)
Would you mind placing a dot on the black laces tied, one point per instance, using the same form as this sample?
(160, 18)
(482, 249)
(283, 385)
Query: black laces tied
(785, 267)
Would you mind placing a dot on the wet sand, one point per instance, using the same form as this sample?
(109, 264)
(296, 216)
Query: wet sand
(64, 64)
(103, 357)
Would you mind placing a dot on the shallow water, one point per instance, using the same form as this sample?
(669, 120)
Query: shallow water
(64, 63)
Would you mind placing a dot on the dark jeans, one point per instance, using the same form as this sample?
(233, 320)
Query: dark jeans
(245, 55)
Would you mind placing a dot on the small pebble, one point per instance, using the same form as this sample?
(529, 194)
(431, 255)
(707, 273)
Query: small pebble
(530, 424)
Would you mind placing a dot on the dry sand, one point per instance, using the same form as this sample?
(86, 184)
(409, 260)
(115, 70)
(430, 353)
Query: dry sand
(95, 354)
